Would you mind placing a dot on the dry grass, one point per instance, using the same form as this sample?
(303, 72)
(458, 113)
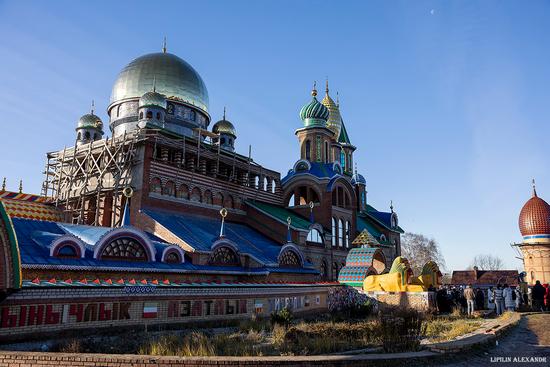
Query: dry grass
(448, 328)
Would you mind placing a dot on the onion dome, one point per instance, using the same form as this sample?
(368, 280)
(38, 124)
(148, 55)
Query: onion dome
(534, 220)
(334, 122)
(224, 127)
(153, 99)
(314, 113)
(358, 179)
(90, 121)
(175, 78)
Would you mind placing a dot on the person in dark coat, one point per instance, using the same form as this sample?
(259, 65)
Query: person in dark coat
(480, 299)
(538, 293)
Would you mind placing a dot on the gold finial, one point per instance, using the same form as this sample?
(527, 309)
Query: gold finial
(154, 83)
(93, 107)
(311, 205)
(326, 86)
(224, 112)
(4, 184)
(20, 186)
(534, 188)
(288, 221)
(391, 205)
(314, 90)
(355, 167)
(223, 212)
(337, 99)
(164, 45)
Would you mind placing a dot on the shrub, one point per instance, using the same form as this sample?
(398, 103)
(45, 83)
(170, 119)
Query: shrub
(348, 302)
(401, 330)
(283, 317)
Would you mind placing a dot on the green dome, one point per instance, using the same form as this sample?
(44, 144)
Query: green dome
(153, 99)
(224, 127)
(314, 113)
(90, 121)
(173, 77)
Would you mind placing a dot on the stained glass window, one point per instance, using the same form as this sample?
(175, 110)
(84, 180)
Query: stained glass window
(124, 248)
(289, 259)
(224, 256)
(343, 160)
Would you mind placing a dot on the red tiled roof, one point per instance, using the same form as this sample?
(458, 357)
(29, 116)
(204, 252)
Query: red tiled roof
(485, 277)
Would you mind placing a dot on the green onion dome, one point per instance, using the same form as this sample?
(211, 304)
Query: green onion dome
(90, 121)
(314, 113)
(153, 99)
(224, 127)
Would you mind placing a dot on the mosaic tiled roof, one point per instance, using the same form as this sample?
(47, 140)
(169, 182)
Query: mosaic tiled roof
(359, 264)
(19, 205)
(365, 238)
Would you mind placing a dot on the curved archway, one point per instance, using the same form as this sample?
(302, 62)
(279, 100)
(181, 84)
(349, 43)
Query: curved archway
(224, 255)
(207, 197)
(125, 243)
(169, 188)
(67, 246)
(196, 194)
(156, 185)
(183, 192)
(173, 255)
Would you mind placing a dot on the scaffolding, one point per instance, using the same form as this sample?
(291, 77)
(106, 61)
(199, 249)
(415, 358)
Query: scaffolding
(87, 181)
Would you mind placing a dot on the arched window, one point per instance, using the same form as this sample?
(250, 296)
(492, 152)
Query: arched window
(265, 183)
(172, 258)
(323, 270)
(183, 192)
(334, 270)
(169, 188)
(222, 141)
(273, 185)
(196, 194)
(348, 232)
(207, 197)
(291, 200)
(87, 135)
(228, 202)
(149, 114)
(334, 232)
(289, 259)
(340, 233)
(79, 136)
(158, 115)
(257, 182)
(326, 152)
(224, 255)
(124, 248)
(308, 150)
(67, 251)
(156, 186)
(343, 160)
(192, 115)
(314, 236)
(141, 115)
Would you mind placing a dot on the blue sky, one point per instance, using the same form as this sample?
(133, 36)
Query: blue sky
(448, 102)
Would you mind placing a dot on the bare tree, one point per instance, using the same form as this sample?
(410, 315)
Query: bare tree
(487, 262)
(419, 249)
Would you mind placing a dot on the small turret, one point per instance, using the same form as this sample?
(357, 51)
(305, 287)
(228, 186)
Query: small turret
(89, 128)
(227, 133)
(152, 108)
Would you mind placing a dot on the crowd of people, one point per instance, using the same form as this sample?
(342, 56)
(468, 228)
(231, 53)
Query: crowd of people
(500, 298)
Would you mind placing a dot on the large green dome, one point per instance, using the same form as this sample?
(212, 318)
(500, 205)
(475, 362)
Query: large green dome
(314, 113)
(174, 78)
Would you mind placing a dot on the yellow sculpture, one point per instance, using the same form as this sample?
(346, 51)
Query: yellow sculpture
(401, 278)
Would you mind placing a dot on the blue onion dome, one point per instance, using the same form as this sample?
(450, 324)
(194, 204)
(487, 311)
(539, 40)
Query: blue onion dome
(153, 99)
(224, 127)
(358, 179)
(90, 121)
(314, 113)
(334, 122)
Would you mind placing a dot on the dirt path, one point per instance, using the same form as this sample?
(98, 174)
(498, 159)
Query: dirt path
(530, 340)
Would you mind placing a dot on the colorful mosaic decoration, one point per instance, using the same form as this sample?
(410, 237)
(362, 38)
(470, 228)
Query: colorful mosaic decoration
(38, 210)
(365, 238)
(22, 196)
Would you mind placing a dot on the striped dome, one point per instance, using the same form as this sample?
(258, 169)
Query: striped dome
(314, 113)
(534, 220)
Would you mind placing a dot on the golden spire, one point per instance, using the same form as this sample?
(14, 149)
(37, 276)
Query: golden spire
(93, 107)
(337, 100)
(534, 189)
(4, 184)
(314, 90)
(164, 45)
(20, 186)
(326, 86)
(223, 112)
(391, 205)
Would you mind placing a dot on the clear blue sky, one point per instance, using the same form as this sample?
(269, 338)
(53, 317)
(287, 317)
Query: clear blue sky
(448, 102)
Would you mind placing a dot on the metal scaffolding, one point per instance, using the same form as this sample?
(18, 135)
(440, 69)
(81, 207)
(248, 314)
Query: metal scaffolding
(87, 180)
